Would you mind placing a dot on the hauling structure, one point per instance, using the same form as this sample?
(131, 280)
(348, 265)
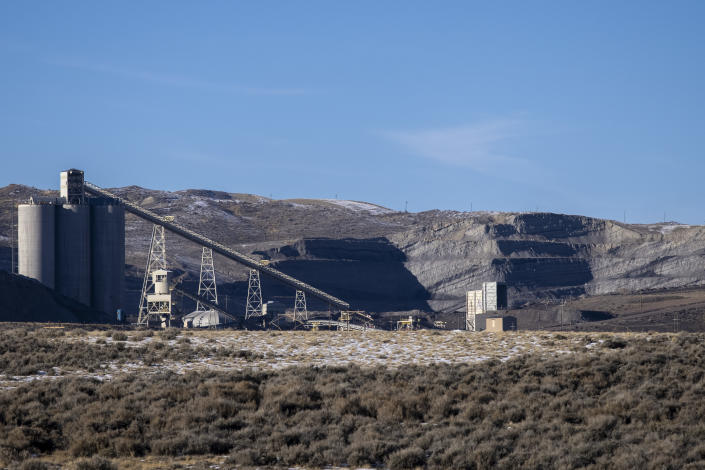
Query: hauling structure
(75, 244)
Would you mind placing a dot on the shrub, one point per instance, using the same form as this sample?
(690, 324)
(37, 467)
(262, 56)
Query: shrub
(119, 336)
(412, 457)
(33, 465)
(614, 343)
(640, 407)
(168, 334)
(96, 463)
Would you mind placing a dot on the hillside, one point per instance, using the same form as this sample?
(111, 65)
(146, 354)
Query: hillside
(385, 261)
(27, 300)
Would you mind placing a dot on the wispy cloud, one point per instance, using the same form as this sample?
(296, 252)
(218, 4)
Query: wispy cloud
(475, 146)
(173, 80)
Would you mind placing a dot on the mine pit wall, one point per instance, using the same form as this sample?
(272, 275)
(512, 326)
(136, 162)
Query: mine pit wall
(547, 256)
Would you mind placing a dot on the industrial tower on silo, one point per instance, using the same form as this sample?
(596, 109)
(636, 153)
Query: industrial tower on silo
(74, 244)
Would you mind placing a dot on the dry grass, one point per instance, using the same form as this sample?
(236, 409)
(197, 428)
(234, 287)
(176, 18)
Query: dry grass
(41, 354)
(535, 401)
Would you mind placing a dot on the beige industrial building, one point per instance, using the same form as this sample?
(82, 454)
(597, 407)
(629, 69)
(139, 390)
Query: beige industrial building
(490, 298)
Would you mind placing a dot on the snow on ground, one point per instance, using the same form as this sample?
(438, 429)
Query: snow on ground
(360, 206)
(667, 227)
(273, 350)
(670, 228)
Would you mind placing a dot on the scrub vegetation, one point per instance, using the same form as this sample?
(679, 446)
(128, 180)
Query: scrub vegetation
(626, 401)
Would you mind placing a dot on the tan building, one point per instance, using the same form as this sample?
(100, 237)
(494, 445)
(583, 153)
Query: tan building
(494, 325)
(491, 298)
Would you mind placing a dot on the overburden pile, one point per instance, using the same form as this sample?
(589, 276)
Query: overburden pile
(25, 299)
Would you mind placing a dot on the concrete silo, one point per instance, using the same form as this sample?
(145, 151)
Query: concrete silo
(107, 255)
(35, 242)
(75, 244)
(73, 251)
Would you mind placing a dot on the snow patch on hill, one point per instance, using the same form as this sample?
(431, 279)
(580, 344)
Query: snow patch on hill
(360, 206)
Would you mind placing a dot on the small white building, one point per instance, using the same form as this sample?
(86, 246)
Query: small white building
(205, 319)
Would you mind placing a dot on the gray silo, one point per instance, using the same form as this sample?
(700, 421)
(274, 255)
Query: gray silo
(75, 244)
(35, 242)
(107, 255)
(73, 251)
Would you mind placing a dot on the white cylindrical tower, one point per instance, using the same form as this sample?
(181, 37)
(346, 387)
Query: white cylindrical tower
(35, 242)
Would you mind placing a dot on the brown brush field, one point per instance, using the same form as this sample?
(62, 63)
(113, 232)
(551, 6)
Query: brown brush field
(101, 399)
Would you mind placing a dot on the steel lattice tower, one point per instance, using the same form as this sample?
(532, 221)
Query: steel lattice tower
(300, 311)
(206, 285)
(254, 296)
(155, 260)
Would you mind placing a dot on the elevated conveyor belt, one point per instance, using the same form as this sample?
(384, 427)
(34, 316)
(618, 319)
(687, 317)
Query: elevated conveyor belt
(218, 248)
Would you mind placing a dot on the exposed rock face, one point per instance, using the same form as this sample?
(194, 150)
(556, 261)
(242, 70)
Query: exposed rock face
(549, 255)
(370, 271)
(381, 260)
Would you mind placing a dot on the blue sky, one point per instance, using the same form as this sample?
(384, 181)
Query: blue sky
(591, 108)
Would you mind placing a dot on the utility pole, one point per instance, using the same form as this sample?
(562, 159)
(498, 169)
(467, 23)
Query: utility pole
(406, 206)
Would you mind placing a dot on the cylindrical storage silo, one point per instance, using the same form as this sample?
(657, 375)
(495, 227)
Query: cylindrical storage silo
(35, 242)
(107, 256)
(73, 251)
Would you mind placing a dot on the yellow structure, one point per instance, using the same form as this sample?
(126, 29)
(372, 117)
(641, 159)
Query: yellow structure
(407, 324)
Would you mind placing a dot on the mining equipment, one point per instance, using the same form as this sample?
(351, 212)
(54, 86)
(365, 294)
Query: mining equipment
(349, 320)
(156, 261)
(406, 324)
(75, 244)
(220, 248)
(159, 303)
